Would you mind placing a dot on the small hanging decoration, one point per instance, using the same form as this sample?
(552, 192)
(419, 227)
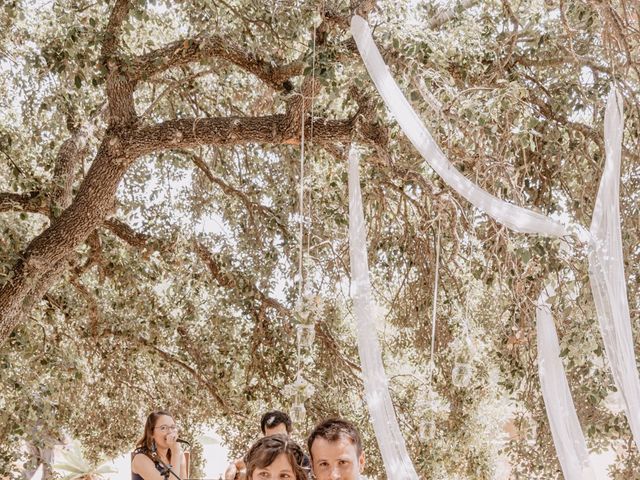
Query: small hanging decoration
(427, 431)
(308, 307)
(464, 349)
(298, 413)
(461, 374)
(435, 406)
(305, 335)
(299, 392)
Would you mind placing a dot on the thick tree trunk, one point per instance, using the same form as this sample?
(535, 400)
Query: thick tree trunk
(126, 139)
(95, 200)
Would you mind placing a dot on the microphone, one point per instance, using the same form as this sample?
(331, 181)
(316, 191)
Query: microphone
(180, 440)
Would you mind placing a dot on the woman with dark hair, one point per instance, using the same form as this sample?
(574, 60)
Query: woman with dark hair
(275, 457)
(158, 452)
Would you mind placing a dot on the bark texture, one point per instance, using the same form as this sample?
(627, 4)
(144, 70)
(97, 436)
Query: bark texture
(127, 138)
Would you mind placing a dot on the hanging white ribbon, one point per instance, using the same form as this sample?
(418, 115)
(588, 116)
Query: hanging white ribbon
(397, 463)
(606, 270)
(568, 438)
(517, 218)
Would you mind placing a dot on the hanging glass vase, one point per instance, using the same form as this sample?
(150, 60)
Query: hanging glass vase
(461, 374)
(298, 398)
(298, 413)
(427, 430)
(305, 335)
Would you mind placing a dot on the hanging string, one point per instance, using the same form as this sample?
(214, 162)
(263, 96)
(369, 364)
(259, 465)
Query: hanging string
(301, 193)
(313, 77)
(435, 304)
(313, 80)
(300, 389)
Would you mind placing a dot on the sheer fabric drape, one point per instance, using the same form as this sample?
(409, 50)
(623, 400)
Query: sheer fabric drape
(568, 438)
(397, 463)
(606, 268)
(517, 218)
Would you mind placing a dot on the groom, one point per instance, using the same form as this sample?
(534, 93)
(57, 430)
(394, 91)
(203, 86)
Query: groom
(336, 451)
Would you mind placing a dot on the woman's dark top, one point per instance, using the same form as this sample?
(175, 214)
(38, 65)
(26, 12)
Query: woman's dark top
(163, 471)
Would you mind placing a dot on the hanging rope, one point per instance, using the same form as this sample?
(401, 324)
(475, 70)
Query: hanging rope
(302, 153)
(300, 390)
(435, 304)
(301, 210)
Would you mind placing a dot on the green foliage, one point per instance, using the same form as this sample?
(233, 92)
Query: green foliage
(514, 94)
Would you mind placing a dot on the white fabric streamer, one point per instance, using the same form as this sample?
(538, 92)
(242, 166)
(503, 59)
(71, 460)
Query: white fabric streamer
(606, 270)
(568, 438)
(605, 261)
(517, 218)
(397, 463)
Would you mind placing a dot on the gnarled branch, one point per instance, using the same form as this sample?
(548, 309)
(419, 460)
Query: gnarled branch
(33, 202)
(183, 52)
(271, 129)
(69, 156)
(112, 32)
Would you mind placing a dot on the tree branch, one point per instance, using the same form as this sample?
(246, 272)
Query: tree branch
(140, 240)
(112, 32)
(129, 235)
(33, 202)
(69, 156)
(94, 201)
(271, 129)
(197, 375)
(183, 52)
(229, 282)
(95, 317)
(298, 106)
(119, 88)
(143, 241)
(448, 14)
(38, 290)
(249, 204)
(363, 7)
(211, 388)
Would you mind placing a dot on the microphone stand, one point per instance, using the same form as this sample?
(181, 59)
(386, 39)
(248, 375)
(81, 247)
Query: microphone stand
(169, 469)
(167, 466)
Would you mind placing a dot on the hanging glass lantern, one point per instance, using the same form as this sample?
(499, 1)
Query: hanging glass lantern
(461, 374)
(298, 413)
(298, 398)
(305, 335)
(427, 430)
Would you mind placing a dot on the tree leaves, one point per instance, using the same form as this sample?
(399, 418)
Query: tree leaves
(133, 326)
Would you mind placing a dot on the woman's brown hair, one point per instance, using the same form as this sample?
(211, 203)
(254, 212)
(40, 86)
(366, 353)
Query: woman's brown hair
(146, 444)
(266, 450)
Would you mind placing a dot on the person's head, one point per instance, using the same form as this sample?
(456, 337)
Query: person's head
(336, 451)
(158, 427)
(274, 422)
(275, 457)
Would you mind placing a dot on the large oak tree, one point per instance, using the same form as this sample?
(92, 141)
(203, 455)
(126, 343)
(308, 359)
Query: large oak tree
(149, 217)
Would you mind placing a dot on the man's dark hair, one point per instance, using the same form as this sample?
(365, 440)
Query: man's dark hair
(332, 430)
(273, 419)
